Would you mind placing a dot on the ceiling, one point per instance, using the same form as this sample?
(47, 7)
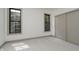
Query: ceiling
(50, 9)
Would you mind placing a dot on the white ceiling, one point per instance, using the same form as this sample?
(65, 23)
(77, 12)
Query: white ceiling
(50, 9)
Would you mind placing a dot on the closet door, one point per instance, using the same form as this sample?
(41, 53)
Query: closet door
(60, 26)
(73, 27)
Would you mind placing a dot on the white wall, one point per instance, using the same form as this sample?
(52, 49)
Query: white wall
(32, 24)
(2, 33)
(56, 12)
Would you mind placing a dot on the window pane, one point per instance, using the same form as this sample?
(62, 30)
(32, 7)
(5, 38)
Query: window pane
(15, 16)
(18, 30)
(12, 27)
(18, 25)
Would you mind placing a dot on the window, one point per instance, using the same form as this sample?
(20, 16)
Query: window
(14, 20)
(46, 22)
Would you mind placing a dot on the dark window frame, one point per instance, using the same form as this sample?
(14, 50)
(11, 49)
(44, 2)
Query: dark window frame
(14, 21)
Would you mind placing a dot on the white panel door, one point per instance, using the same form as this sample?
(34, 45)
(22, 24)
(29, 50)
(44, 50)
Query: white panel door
(60, 26)
(73, 27)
